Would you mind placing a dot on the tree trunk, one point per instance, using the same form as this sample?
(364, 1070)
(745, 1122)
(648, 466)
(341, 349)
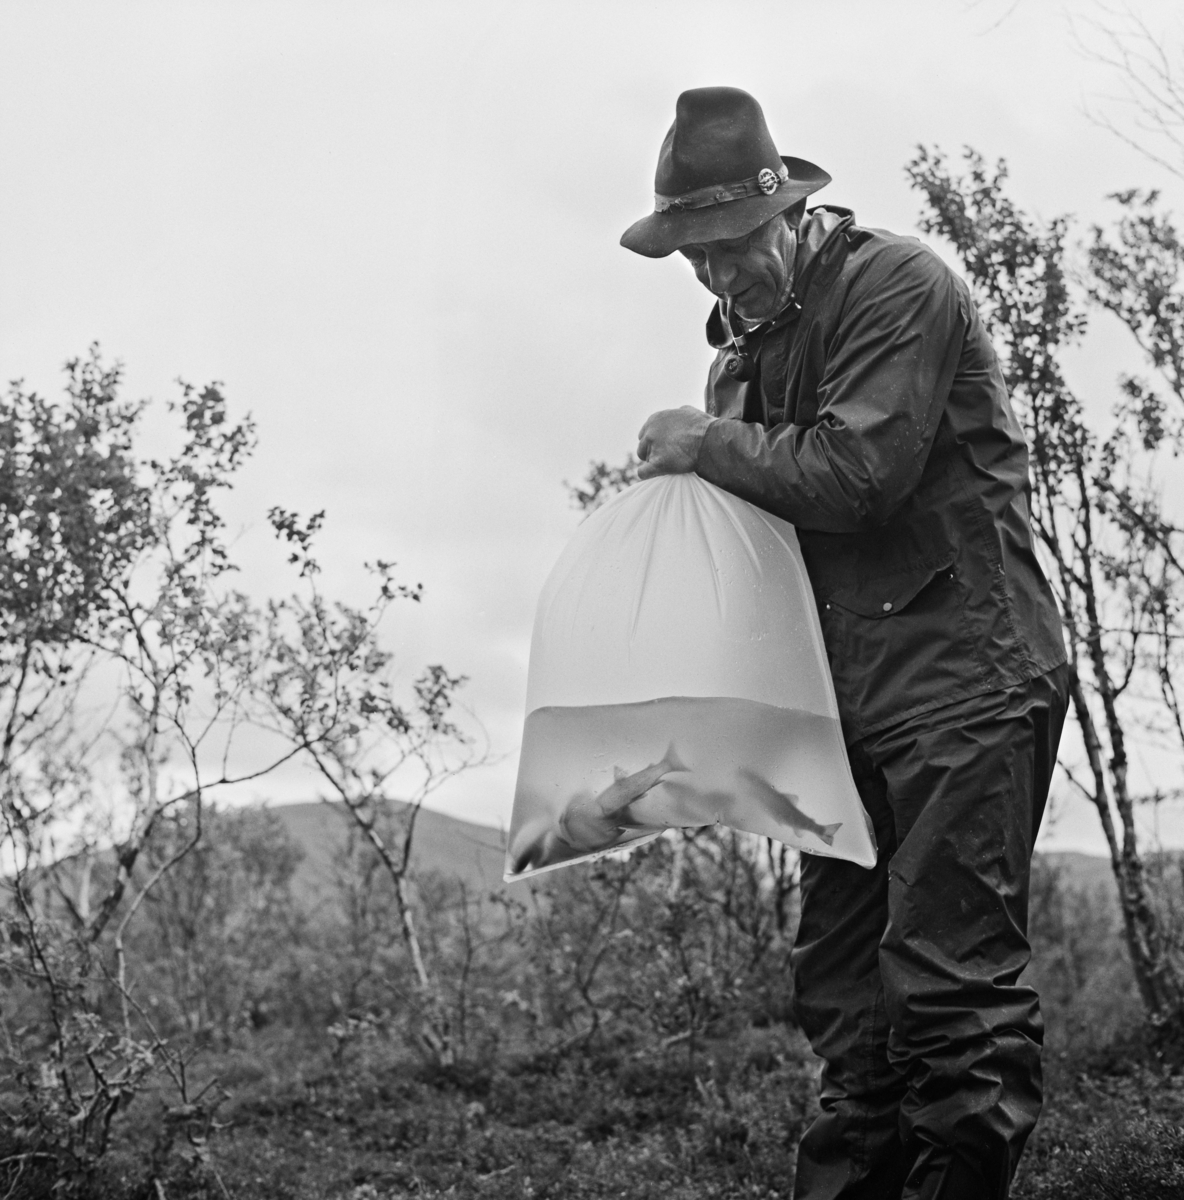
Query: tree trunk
(1155, 974)
(437, 1031)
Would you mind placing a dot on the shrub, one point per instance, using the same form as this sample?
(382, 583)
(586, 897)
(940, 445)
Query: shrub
(1139, 1160)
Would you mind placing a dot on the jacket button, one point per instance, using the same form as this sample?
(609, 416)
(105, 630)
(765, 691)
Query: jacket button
(887, 606)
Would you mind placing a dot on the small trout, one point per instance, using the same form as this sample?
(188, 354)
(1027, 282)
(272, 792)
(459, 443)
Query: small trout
(782, 805)
(592, 824)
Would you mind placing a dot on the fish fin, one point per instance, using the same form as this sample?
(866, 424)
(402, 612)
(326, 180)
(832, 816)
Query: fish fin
(536, 853)
(827, 833)
(619, 773)
(640, 829)
(672, 761)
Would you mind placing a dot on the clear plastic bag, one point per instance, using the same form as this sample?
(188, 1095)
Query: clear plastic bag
(678, 678)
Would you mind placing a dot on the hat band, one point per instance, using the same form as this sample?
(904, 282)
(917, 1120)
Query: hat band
(764, 183)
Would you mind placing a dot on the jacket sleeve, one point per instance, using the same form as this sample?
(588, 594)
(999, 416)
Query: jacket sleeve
(888, 372)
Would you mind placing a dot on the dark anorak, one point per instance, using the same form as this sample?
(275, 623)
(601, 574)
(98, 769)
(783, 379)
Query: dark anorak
(879, 424)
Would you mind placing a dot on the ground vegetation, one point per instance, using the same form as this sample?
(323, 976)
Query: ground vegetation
(617, 1030)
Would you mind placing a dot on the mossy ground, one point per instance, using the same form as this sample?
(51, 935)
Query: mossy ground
(721, 1121)
(716, 1124)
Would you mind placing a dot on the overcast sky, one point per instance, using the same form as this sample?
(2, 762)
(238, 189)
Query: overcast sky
(391, 230)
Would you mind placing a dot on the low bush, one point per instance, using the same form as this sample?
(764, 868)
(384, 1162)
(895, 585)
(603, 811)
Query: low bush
(1140, 1160)
(619, 1029)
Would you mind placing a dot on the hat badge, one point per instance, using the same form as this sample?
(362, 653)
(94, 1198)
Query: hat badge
(767, 181)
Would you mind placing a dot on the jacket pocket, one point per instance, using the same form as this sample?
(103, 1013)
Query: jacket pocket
(889, 594)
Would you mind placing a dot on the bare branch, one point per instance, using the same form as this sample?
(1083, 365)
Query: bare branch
(1152, 78)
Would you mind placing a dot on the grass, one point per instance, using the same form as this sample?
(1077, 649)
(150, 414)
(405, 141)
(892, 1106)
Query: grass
(618, 1122)
(313, 1114)
(1112, 1128)
(621, 1122)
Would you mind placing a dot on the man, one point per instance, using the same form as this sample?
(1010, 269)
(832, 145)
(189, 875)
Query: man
(857, 395)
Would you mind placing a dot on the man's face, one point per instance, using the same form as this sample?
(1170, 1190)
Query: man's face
(754, 271)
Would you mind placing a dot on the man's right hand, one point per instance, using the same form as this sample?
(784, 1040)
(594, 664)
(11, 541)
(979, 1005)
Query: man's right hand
(669, 441)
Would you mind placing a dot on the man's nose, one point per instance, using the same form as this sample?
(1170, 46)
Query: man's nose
(721, 271)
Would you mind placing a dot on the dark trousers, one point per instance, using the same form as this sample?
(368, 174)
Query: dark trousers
(906, 976)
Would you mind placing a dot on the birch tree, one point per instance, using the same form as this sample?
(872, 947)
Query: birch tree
(135, 682)
(1113, 551)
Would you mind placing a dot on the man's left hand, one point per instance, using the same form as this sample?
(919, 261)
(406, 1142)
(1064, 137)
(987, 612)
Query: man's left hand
(669, 441)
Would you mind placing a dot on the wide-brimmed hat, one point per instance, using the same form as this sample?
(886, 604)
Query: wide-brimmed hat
(719, 175)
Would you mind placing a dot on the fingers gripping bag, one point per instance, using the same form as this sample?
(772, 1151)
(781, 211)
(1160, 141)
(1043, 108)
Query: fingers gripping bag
(678, 679)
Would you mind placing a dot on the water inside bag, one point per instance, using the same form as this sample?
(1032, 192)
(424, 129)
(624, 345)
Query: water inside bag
(597, 778)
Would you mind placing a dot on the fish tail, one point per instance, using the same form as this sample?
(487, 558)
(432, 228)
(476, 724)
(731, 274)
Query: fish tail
(672, 761)
(827, 832)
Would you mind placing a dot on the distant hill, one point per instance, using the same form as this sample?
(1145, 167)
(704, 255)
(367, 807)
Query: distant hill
(476, 853)
(454, 848)
(1082, 870)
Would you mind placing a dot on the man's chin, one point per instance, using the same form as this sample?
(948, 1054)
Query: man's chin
(752, 314)
(751, 307)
